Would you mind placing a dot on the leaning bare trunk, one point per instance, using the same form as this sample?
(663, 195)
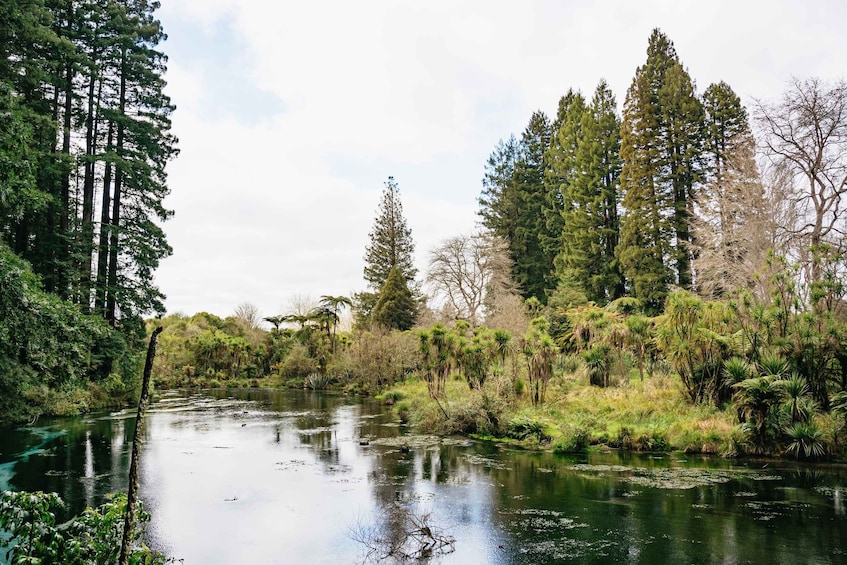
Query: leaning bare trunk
(132, 491)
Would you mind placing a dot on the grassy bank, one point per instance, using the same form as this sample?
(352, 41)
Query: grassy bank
(646, 416)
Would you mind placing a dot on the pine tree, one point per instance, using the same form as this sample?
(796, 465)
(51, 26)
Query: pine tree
(532, 264)
(591, 228)
(512, 204)
(560, 172)
(396, 308)
(498, 203)
(661, 150)
(391, 242)
(86, 79)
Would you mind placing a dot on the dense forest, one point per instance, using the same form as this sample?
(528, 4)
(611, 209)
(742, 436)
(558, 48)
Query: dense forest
(84, 141)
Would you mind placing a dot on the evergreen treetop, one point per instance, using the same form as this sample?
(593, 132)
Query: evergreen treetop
(391, 243)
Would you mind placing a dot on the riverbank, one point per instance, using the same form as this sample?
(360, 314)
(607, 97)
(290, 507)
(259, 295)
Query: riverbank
(649, 415)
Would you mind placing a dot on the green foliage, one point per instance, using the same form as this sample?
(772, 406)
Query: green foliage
(93, 537)
(661, 145)
(540, 352)
(598, 364)
(523, 427)
(586, 163)
(46, 344)
(298, 363)
(575, 442)
(694, 337)
(806, 441)
(513, 202)
(318, 381)
(396, 308)
(391, 245)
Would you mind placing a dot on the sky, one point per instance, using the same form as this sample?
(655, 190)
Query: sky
(292, 115)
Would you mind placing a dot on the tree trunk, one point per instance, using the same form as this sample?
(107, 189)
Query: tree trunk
(111, 302)
(132, 491)
(87, 231)
(103, 249)
(65, 192)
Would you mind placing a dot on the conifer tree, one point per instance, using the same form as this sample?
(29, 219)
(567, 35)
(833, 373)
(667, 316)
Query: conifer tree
(395, 308)
(727, 127)
(86, 79)
(498, 204)
(391, 245)
(591, 228)
(532, 264)
(661, 150)
(513, 201)
(560, 172)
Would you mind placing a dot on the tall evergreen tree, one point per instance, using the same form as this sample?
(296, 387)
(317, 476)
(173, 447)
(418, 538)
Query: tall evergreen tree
(532, 264)
(513, 201)
(560, 172)
(661, 150)
(391, 243)
(727, 127)
(498, 204)
(84, 81)
(590, 226)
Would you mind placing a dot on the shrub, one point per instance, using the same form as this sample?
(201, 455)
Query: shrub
(520, 387)
(298, 364)
(391, 397)
(92, 537)
(575, 442)
(317, 381)
(523, 427)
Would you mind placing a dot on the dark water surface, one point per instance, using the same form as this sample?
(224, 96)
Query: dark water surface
(266, 476)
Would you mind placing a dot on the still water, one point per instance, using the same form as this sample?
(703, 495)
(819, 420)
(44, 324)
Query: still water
(267, 476)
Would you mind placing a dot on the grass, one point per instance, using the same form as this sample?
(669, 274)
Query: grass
(648, 416)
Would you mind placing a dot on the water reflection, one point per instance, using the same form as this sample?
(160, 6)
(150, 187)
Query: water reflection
(264, 476)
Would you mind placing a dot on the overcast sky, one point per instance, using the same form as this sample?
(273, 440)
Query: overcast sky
(291, 116)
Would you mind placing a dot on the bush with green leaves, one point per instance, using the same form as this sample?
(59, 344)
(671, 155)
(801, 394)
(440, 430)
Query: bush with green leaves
(46, 342)
(92, 538)
(574, 442)
(524, 427)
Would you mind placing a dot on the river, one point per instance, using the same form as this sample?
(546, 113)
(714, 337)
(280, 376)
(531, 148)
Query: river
(289, 477)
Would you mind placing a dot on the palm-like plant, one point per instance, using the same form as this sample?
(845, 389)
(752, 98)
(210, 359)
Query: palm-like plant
(276, 321)
(755, 397)
(799, 406)
(771, 363)
(806, 441)
(336, 304)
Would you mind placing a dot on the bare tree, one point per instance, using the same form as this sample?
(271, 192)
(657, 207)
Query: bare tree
(805, 133)
(464, 269)
(248, 314)
(301, 304)
(739, 220)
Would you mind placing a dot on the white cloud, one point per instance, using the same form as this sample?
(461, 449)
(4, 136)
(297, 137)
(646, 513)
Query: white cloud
(281, 205)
